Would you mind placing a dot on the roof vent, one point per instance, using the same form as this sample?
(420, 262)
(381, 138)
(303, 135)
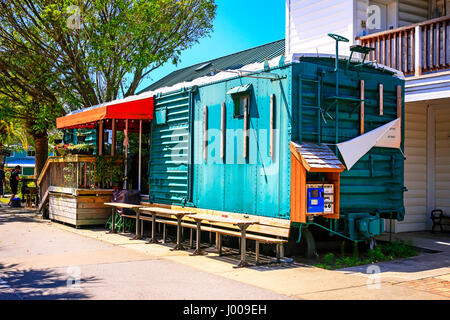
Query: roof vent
(203, 66)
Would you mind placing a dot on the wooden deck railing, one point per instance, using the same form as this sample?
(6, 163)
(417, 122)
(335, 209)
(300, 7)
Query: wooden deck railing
(71, 172)
(414, 49)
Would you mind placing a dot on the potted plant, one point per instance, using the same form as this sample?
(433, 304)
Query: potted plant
(117, 175)
(82, 148)
(103, 171)
(60, 149)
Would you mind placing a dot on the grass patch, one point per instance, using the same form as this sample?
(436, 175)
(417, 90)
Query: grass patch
(4, 200)
(383, 252)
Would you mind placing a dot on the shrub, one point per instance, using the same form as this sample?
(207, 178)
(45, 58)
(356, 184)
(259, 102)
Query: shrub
(347, 262)
(376, 255)
(398, 249)
(355, 250)
(328, 259)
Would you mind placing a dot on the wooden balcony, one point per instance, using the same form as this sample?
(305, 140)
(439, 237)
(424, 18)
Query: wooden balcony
(415, 49)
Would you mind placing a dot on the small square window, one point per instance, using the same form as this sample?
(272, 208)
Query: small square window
(161, 116)
(240, 101)
(31, 153)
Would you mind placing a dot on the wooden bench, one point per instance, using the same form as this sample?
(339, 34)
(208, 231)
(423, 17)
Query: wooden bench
(155, 211)
(242, 224)
(266, 230)
(439, 219)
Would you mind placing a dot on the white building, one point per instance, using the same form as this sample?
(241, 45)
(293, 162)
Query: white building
(412, 36)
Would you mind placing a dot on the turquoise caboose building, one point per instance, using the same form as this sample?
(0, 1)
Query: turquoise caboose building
(252, 134)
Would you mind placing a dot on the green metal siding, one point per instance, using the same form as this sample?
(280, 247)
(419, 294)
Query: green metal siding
(169, 165)
(260, 185)
(375, 183)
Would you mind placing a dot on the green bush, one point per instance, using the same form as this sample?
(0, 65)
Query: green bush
(382, 252)
(346, 262)
(398, 249)
(376, 255)
(328, 259)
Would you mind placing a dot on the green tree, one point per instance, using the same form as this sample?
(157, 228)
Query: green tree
(61, 55)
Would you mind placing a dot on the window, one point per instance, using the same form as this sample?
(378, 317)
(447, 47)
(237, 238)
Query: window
(239, 105)
(31, 153)
(241, 98)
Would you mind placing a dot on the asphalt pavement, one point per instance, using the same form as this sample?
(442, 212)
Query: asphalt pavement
(41, 261)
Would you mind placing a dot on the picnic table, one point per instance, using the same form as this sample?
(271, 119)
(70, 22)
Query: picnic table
(156, 211)
(243, 224)
(133, 207)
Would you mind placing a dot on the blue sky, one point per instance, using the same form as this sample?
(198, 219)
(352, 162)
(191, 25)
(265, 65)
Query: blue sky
(239, 25)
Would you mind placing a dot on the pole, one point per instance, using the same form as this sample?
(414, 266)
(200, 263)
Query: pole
(100, 138)
(113, 137)
(337, 93)
(140, 155)
(126, 155)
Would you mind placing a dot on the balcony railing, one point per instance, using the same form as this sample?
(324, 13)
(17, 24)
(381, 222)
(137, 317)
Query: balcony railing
(70, 172)
(414, 49)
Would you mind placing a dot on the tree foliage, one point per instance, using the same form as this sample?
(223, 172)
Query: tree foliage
(61, 55)
(100, 49)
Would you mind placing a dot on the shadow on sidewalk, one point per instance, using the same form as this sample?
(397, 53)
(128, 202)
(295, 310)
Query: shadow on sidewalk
(19, 216)
(40, 284)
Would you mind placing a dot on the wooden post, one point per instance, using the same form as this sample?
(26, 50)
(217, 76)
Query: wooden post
(418, 51)
(100, 137)
(223, 130)
(126, 156)
(361, 112)
(77, 184)
(395, 62)
(205, 133)
(272, 106)
(140, 155)
(381, 99)
(245, 127)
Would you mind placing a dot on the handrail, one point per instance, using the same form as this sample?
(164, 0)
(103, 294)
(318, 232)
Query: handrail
(411, 26)
(66, 159)
(413, 49)
(43, 171)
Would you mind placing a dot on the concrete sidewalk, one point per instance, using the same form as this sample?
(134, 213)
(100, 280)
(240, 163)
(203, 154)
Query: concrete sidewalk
(426, 276)
(307, 282)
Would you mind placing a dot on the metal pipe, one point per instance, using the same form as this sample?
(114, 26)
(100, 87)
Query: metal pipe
(113, 137)
(300, 109)
(250, 75)
(320, 226)
(140, 155)
(337, 93)
(126, 155)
